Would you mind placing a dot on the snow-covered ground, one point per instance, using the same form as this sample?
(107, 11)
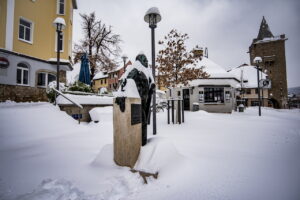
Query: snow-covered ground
(45, 154)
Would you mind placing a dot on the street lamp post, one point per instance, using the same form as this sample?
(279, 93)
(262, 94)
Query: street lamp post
(124, 57)
(257, 61)
(59, 23)
(152, 17)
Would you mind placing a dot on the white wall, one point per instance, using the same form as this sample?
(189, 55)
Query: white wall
(225, 107)
(9, 76)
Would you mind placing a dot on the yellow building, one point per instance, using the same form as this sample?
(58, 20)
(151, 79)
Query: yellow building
(100, 81)
(28, 46)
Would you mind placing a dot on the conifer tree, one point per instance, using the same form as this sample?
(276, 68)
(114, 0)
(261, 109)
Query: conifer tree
(176, 65)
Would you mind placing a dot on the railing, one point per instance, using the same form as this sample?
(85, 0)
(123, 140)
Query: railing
(179, 110)
(73, 102)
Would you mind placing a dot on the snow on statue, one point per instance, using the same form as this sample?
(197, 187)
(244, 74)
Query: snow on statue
(138, 82)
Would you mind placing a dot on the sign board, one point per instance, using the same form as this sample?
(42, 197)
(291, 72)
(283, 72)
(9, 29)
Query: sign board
(4, 63)
(136, 114)
(265, 83)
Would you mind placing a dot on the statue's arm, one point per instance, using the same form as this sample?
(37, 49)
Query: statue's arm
(123, 84)
(150, 93)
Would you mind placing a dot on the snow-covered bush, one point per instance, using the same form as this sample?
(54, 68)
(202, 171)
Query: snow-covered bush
(103, 91)
(79, 86)
(51, 93)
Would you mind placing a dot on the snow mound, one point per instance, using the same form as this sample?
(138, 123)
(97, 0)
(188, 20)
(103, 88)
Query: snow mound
(137, 65)
(203, 112)
(157, 156)
(101, 113)
(105, 157)
(84, 99)
(130, 90)
(13, 104)
(56, 189)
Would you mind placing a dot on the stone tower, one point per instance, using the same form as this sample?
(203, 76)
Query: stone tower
(272, 50)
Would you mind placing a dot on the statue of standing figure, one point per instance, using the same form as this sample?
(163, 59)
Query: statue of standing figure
(143, 79)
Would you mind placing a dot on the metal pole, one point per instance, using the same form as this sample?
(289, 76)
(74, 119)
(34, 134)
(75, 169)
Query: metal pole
(172, 101)
(58, 58)
(168, 111)
(153, 73)
(258, 91)
(182, 111)
(262, 102)
(179, 111)
(262, 91)
(124, 65)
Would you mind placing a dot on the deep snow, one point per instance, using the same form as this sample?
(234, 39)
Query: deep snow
(45, 154)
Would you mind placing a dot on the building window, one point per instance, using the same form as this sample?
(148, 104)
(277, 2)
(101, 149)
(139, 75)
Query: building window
(254, 103)
(227, 95)
(101, 81)
(25, 30)
(43, 79)
(60, 7)
(213, 95)
(22, 74)
(60, 42)
(201, 96)
(248, 91)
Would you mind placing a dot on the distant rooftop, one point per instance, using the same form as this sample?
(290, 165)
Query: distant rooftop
(100, 75)
(248, 75)
(213, 69)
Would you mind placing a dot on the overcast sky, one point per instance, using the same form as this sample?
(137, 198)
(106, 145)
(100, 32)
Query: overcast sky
(225, 27)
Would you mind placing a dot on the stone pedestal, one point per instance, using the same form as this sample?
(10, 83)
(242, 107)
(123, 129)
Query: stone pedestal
(127, 130)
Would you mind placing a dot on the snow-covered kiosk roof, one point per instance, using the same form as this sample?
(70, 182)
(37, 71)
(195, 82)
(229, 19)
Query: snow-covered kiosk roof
(248, 74)
(217, 74)
(217, 82)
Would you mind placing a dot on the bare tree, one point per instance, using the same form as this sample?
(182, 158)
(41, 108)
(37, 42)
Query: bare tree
(100, 43)
(176, 65)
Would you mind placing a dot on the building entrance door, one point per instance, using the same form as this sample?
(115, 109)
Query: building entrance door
(186, 99)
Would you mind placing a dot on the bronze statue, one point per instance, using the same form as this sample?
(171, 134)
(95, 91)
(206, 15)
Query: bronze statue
(145, 87)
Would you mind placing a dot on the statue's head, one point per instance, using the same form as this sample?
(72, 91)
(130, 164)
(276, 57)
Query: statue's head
(143, 59)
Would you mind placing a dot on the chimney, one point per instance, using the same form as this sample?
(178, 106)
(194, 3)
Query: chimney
(198, 52)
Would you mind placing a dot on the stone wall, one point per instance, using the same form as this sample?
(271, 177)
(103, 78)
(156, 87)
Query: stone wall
(19, 93)
(264, 102)
(273, 55)
(72, 110)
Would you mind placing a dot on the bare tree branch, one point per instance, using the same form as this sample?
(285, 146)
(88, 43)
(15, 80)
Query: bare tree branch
(100, 43)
